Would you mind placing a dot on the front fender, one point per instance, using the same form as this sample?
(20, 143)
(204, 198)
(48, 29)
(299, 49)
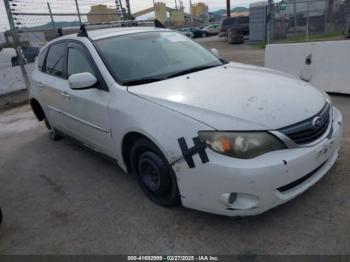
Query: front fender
(163, 126)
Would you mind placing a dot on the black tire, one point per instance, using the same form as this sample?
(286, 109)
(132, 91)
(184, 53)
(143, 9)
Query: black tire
(154, 174)
(204, 35)
(54, 135)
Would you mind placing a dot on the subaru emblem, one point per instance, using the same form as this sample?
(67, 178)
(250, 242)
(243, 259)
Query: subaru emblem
(316, 122)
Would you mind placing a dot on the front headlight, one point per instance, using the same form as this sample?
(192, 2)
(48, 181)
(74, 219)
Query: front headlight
(327, 97)
(242, 145)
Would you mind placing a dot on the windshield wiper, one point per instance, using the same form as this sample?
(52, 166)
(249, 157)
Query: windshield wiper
(146, 80)
(142, 81)
(191, 70)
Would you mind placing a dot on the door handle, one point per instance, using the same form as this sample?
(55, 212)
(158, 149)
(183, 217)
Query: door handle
(65, 95)
(41, 85)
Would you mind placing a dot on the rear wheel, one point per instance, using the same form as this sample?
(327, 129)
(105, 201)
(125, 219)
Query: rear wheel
(154, 174)
(204, 35)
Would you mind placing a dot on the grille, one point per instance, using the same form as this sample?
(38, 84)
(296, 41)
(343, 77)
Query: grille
(309, 130)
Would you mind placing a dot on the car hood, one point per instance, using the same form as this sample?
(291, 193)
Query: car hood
(237, 97)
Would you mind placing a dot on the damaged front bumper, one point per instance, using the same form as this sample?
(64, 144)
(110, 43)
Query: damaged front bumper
(257, 184)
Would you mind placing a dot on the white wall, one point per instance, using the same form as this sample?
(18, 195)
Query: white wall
(11, 79)
(330, 63)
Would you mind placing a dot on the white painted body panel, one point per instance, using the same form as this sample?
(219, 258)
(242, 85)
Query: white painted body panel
(256, 179)
(220, 98)
(237, 97)
(329, 68)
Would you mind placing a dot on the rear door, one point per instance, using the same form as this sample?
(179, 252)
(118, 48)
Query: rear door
(53, 85)
(88, 113)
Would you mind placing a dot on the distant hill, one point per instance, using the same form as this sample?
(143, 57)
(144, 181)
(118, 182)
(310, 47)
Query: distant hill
(57, 25)
(239, 9)
(220, 12)
(233, 10)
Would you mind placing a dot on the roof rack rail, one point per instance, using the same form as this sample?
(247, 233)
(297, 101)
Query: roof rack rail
(125, 23)
(82, 32)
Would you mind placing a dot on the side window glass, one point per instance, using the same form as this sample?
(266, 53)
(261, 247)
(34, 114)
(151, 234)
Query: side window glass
(55, 60)
(78, 63)
(41, 59)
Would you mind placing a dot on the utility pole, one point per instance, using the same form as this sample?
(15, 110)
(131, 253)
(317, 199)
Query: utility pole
(76, 4)
(228, 8)
(120, 7)
(191, 17)
(16, 43)
(308, 21)
(330, 14)
(128, 9)
(295, 16)
(52, 21)
(270, 21)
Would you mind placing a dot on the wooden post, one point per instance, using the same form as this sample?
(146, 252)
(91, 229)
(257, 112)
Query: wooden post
(228, 8)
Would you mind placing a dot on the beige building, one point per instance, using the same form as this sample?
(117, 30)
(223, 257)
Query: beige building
(199, 9)
(102, 14)
(177, 17)
(160, 12)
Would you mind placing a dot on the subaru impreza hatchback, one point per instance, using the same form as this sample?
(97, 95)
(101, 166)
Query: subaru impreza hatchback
(194, 129)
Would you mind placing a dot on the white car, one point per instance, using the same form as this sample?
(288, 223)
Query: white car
(213, 29)
(195, 130)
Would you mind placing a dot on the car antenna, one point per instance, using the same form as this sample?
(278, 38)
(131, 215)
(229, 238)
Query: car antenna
(158, 24)
(82, 32)
(59, 32)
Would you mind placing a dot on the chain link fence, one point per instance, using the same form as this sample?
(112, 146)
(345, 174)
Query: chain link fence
(310, 20)
(37, 22)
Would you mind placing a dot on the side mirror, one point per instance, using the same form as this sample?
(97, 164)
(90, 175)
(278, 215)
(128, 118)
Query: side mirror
(215, 52)
(82, 81)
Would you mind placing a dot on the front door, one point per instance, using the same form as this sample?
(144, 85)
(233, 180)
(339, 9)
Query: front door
(87, 118)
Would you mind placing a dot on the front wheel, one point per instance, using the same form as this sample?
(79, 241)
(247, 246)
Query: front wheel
(154, 174)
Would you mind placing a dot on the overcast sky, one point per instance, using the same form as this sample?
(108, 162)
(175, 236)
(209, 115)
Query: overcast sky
(136, 5)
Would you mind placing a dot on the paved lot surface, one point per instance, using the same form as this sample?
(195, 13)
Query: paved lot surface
(59, 198)
(242, 53)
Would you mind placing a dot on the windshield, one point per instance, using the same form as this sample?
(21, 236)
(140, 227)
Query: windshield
(153, 56)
